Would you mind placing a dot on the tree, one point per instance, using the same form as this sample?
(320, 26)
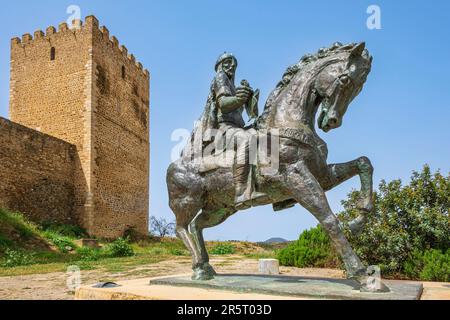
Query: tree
(161, 228)
(407, 234)
(406, 220)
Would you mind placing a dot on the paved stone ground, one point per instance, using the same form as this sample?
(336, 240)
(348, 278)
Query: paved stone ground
(53, 286)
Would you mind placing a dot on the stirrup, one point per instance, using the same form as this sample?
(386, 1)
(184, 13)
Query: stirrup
(259, 197)
(240, 206)
(245, 204)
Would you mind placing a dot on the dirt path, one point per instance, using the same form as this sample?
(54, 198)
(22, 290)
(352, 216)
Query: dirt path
(53, 286)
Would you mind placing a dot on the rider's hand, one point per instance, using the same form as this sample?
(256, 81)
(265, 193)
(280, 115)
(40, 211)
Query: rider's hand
(244, 93)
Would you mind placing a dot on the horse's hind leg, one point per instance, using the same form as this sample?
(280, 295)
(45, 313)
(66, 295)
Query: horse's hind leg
(307, 191)
(186, 211)
(339, 173)
(183, 234)
(205, 219)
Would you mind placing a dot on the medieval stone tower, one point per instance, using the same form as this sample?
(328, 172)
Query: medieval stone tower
(78, 85)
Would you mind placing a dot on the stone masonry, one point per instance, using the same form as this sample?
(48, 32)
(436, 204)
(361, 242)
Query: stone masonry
(36, 174)
(79, 85)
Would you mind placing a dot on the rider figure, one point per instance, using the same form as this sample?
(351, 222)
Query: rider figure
(229, 103)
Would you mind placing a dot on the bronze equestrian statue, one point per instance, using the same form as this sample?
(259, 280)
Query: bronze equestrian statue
(203, 194)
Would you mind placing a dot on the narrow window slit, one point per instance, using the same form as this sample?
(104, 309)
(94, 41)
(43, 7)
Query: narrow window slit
(123, 72)
(52, 54)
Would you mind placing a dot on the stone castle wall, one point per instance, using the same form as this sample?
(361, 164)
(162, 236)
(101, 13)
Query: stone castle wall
(36, 174)
(52, 95)
(121, 88)
(78, 85)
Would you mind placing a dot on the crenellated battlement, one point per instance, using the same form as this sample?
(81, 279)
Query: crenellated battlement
(90, 25)
(115, 44)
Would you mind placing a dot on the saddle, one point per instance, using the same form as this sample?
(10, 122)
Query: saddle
(225, 155)
(224, 159)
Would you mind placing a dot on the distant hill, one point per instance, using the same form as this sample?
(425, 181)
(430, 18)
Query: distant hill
(275, 240)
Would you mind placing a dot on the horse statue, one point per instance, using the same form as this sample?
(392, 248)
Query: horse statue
(331, 78)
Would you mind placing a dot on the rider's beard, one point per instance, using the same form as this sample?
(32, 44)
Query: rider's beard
(230, 73)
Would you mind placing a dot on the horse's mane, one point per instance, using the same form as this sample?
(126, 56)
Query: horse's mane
(311, 61)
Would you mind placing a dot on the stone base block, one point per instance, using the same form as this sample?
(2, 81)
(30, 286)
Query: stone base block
(269, 267)
(246, 287)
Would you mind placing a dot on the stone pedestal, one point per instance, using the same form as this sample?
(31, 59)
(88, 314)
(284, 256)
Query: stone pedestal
(246, 287)
(269, 266)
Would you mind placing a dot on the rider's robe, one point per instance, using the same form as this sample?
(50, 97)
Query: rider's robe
(214, 123)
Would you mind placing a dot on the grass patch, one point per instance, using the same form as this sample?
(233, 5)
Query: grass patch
(262, 255)
(15, 258)
(27, 248)
(63, 243)
(70, 231)
(223, 249)
(19, 223)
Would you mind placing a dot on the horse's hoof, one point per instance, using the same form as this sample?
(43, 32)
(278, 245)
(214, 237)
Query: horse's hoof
(203, 275)
(209, 269)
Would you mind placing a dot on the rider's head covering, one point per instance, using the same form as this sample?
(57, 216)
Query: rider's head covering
(223, 57)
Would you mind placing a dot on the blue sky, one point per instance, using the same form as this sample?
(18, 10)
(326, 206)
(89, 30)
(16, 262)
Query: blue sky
(400, 120)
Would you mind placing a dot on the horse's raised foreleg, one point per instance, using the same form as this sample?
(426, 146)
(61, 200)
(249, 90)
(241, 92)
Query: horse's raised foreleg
(304, 187)
(339, 173)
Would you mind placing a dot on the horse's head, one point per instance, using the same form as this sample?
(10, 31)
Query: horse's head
(341, 79)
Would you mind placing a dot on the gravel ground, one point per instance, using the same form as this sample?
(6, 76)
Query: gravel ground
(53, 286)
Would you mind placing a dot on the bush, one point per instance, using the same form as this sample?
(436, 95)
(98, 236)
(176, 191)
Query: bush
(223, 248)
(312, 249)
(120, 248)
(64, 244)
(66, 230)
(15, 258)
(430, 265)
(407, 222)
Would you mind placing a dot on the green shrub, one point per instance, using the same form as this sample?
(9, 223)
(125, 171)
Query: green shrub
(430, 265)
(407, 221)
(66, 230)
(312, 249)
(223, 248)
(120, 248)
(64, 244)
(15, 258)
